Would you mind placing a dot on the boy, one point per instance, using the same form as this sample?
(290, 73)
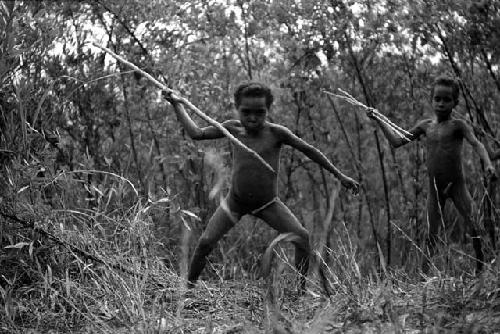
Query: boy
(444, 161)
(254, 188)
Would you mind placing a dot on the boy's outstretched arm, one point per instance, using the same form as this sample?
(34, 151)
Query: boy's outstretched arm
(494, 155)
(479, 148)
(289, 138)
(192, 129)
(394, 139)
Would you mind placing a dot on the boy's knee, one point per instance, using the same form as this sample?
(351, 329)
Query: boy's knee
(206, 244)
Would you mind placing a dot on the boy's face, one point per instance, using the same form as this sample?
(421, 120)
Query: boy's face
(443, 101)
(252, 112)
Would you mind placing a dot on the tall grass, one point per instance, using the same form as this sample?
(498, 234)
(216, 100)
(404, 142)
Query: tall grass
(369, 300)
(103, 266)
(94, 266)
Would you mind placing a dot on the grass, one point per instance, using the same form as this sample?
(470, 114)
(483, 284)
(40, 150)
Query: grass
(133, 282)
(63, 292)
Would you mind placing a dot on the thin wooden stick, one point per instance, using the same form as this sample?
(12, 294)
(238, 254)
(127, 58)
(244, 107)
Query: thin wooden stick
(379, 115)
(349, 98)
(190, 105)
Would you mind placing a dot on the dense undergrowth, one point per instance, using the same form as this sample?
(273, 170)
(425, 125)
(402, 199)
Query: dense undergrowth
(107, 270)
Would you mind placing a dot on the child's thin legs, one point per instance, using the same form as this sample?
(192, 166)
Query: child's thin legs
(463, 202)
(476, 243)
(279, 217)
(435, 206)
(302, 264)
(219, 224)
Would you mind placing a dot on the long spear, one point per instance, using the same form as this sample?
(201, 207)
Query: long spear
(189, 104)
(349, 98)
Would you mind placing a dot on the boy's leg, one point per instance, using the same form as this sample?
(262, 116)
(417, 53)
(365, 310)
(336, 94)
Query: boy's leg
(435, 207)
(218, 225)
(463, 202)
(278, 216)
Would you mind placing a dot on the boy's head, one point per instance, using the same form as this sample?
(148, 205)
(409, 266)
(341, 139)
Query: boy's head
(253, 89)
(253, 101)
(445, 91)
(447, 81)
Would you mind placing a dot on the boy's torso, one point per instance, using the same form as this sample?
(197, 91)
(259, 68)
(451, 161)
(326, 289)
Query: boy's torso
(252, 182)
(444, 150)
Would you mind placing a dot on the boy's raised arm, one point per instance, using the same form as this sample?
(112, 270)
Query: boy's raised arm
(394, 139)
(192, 129)
(289, 138)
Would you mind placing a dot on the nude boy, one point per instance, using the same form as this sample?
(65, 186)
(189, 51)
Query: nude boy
(445, 136)
(254, 188)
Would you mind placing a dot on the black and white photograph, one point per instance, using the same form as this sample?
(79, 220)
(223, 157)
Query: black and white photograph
(250, 166)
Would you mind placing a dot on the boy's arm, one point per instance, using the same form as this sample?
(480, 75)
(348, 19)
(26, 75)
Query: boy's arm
(494, 155)
(478, 147)
(289, 138)
(192, 129)
(394, 139)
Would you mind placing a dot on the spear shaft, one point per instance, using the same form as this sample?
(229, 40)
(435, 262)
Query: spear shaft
(191, 106)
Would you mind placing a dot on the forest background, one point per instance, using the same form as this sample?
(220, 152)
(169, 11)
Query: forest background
(102, 195)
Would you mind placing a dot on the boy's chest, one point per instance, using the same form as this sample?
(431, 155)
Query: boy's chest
(263, 143)
(443, 133)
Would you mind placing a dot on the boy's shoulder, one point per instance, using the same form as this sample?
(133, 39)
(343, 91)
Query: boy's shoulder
(278, 128)
(452, 124)
(460, 124)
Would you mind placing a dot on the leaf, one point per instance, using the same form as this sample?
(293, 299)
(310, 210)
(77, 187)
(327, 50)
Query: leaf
(23, 189)
(31, 249)
(97, 190)
(49, 275)
(163, 200)
(67, 284)
(19, 245)
(185, 224)
(190, 214)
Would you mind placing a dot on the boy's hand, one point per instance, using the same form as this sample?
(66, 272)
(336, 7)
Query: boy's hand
(170, 97)
(350, 184)
(371, 113)
(479, 130)
(491, 174)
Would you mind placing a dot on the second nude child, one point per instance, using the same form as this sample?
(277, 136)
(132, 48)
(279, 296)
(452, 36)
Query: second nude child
(444, 138)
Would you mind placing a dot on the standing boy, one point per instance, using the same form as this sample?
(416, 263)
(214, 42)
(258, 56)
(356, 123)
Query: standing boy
(444, 161)
(254, 188)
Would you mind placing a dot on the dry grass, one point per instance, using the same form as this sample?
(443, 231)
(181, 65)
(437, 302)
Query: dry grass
(62, 292)
(121, 283)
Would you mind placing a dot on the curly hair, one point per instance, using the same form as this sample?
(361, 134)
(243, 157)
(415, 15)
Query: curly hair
(253, 89)
(448, 81)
